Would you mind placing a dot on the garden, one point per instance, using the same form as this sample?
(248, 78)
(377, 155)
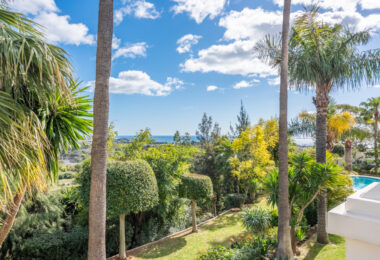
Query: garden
(219, 196)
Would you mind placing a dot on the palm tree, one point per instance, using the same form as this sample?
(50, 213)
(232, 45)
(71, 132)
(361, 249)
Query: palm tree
(31, 71)
(324, 57)
(97, 212)
(370, 113)
(284, 243)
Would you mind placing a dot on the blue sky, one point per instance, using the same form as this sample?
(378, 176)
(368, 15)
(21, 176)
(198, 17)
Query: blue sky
(173, 60)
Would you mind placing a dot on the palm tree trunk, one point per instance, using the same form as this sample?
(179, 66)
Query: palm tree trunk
(194, 216)
(375, 143)
(284, 242)
(321, 102)
(11, 216)
(122, 237)
(348, 154)
(97, 211)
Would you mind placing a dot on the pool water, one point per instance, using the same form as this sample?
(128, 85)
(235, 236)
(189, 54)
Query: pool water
(361, 182)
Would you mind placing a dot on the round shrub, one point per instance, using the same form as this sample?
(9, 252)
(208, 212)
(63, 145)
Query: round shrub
(195, 186)
(338, 149)
(131, 187)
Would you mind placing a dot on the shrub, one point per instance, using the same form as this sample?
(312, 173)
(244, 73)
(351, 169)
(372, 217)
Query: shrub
(131, 188)
(57, 245)
(256, 220)
(195, 187)
(338, 149)
(233, 200)
(217, 253)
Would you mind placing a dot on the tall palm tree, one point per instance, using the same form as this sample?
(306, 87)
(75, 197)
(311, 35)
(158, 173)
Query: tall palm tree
(32, 72)
(284, 248)
(323, 57)
(97, 212)
(371, 113)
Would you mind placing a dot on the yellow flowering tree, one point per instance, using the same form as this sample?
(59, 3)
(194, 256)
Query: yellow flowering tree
(251, 160)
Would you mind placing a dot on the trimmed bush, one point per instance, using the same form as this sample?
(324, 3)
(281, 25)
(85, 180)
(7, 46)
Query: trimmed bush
(195, 187)
(131, 188)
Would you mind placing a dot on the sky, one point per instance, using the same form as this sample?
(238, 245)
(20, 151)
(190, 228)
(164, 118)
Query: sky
(173, 60)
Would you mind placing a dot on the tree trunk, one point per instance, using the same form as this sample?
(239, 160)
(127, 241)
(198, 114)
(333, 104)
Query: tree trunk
(11, 216)
(284, 242)
(348, 154)
(194, 216)
(97, 211)
(245, 195)
(375, 143)
(293, 239)
(122, 237)
(214, 201)
(321, 102)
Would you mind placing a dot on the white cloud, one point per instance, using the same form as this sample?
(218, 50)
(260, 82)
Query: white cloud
(199, 9)
(139, 9)
(251, 24)
(174, 83)
(236, 58)
(115, 42)
(346, 5)
(58, 29)
(139, 82)
(243, 84)
(33, 6)
(131, 50)
(186, 42)
(274, 81)
(211, 88)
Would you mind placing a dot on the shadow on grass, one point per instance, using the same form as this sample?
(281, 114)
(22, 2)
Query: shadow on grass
(172, 245)
(317, 248)
(223, 222)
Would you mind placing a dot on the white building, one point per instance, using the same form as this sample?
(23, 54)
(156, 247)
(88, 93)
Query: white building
(358, 220)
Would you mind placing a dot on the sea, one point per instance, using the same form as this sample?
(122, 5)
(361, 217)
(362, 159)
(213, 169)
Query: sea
(300, 141)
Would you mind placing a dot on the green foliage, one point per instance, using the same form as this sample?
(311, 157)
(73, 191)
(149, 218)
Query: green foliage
(131, 187)
(217, 253)
(134, 149)
(44, 229)
(177, 137)
(259, 248)
(256, 220)
(233, 200)
(338, 149)
(195, 187)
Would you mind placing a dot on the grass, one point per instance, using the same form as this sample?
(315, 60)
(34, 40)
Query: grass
(315, 251)
(217, 232)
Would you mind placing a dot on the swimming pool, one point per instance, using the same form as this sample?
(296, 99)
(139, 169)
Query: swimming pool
(362, 181)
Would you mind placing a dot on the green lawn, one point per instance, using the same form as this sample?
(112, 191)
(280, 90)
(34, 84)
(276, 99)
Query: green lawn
(217, 232)
(333, 251)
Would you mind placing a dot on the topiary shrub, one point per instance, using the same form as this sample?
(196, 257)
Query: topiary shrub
(131, 188)
(195, 187)
(338, 149)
